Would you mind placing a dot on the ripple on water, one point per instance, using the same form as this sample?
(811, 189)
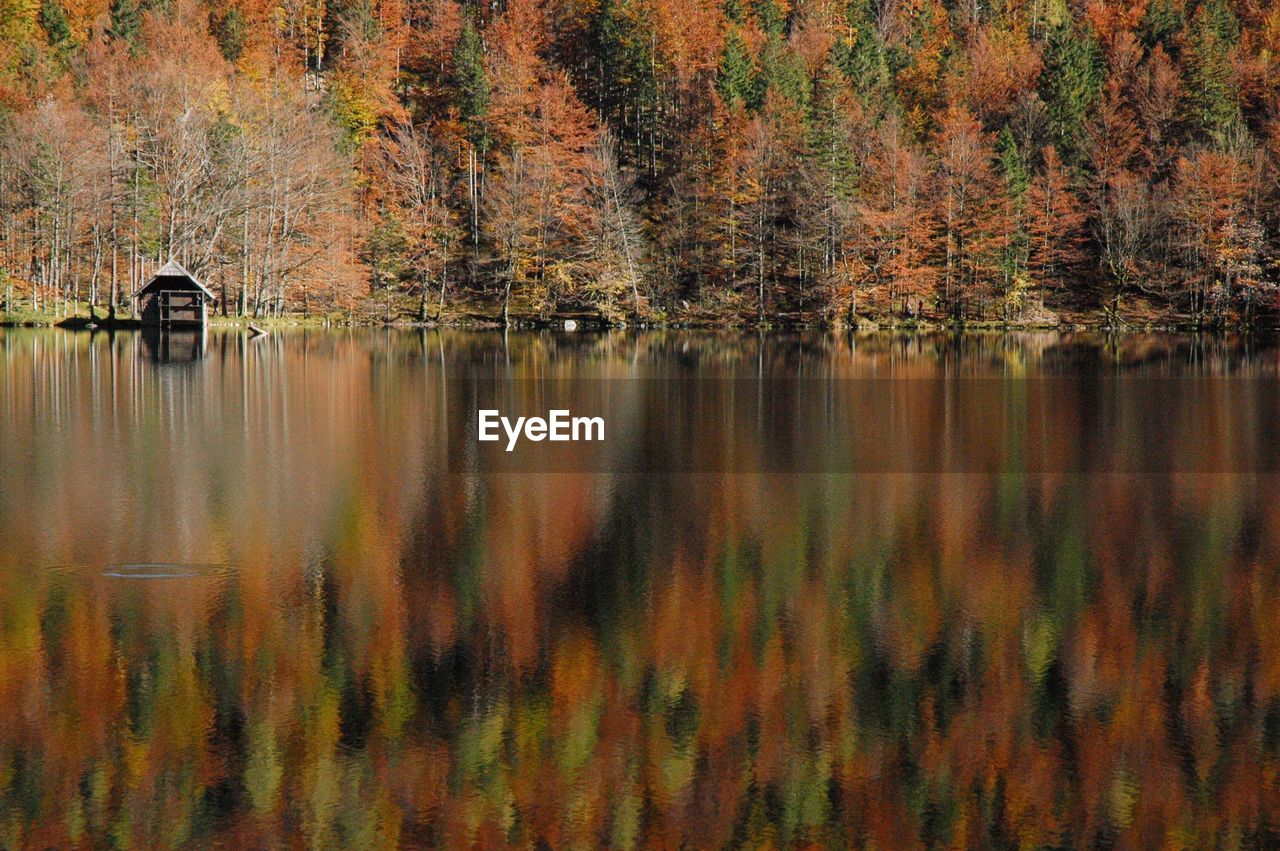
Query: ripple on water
(164, 570)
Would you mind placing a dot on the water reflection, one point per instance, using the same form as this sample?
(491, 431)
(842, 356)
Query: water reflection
(406, 654)
(168, 346)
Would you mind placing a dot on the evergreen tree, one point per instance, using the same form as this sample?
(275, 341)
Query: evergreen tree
(1161, 23)
(859, 53)
(770, 17)
(628, 90)
(230, 31)
(830, 183)
(1016, 176)
(472, 84)
(1017, 180)
(1210, 67)
(783, 72)
(126, 21)
(1070, 83)
(737, 81)
(53, 20)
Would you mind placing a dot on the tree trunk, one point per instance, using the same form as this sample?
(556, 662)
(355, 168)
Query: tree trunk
(506, 303)
(422, 301)
(444, 282)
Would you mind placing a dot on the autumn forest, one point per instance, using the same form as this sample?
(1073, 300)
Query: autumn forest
(1114, 162)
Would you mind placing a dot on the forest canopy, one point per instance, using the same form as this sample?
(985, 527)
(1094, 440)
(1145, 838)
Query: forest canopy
(736, 160)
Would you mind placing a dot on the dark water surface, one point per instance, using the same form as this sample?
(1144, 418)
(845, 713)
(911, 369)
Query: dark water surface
(976, 591)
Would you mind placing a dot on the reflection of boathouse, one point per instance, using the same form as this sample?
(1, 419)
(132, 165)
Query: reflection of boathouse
(173, 298)
(182, 346)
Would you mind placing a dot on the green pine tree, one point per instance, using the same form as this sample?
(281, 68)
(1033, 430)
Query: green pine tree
(1017, 180)
(737, 80)
(1016, 175)
(859, 53)
(1070, 84)
(230, 31)
(830, 146)
(472, 84)
(126, 21)
(1215, 96)
(769, 15)
(783, 71)
(53, 20)
(1161, 24)
(628, 91)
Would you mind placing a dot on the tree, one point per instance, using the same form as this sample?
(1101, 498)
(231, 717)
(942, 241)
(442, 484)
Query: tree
(1069, 85)
(361, 89)
(756, 203)
(897, 215)
(180, 132)
(614, 276)
(921, 65)
(1161, 22)
(968, 210)
(1211, 80)
(230, 30)
(472, 87)
(414, 170)
(61, 179)
(762, 157)
(827, 195)
(300, 194)
(1119, 195)
(1013, 236)
(695, 236)
(53, 20)
(1002, 65)
(860, 54)
(109, 66)
(1055, 223)
(538, 209)
(472, 83)
(626, 59)
(437, 27)
(1218, 234)
(736, 81)
(1159, 109)
(1239, 259)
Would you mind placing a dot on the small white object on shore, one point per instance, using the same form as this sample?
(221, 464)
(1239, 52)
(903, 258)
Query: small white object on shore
(571, 325)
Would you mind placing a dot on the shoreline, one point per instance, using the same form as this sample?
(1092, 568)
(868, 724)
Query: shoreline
(484, 321)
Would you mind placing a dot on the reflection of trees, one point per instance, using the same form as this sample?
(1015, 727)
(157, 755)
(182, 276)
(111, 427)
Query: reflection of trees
(406, 654)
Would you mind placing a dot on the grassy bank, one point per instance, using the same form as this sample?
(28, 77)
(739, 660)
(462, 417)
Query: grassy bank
(23, 316)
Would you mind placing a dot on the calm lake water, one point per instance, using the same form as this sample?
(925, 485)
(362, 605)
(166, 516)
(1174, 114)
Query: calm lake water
(875, 591)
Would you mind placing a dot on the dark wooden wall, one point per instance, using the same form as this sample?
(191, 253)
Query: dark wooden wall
(149, 304)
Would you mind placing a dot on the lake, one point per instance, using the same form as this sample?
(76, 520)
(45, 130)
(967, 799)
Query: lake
(812, 588)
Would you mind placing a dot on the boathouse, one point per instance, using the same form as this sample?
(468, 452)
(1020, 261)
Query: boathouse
(173, 298)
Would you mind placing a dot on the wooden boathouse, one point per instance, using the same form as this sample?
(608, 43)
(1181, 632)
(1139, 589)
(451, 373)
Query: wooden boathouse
(173, 298)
